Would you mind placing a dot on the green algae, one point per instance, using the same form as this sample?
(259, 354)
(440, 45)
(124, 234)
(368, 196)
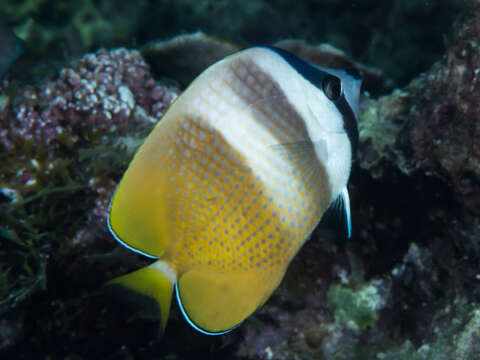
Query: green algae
(40, 222)
(356, 309)
(380, 121)
(26, 241)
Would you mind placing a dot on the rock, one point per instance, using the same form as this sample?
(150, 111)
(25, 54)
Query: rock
(184, 57)
(468, 341)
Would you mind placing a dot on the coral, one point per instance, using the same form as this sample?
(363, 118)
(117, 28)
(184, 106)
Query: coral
(98, 99)
(94, 98)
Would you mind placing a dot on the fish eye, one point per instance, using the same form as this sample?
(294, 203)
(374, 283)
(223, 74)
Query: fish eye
(332, 87)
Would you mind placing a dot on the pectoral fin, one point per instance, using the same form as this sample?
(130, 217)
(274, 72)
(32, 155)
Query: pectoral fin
(337, 215)
(345, 198)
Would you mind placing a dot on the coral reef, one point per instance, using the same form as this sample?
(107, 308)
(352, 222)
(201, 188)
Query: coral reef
(61, 152)
(100, 98)
(404, 287)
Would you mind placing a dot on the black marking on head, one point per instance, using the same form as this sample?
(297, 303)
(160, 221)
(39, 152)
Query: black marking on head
(304, 68)
(349, 123)
(331, 88)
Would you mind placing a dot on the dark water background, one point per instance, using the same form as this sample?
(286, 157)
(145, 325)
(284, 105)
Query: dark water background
(402, 38)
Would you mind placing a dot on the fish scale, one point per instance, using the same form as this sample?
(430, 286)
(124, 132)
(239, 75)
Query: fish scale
(230, 184)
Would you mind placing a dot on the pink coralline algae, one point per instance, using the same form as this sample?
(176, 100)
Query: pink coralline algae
(104, 93)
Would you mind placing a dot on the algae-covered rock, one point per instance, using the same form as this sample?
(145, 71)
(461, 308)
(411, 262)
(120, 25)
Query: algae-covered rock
(184, 57)
(356, 309)
(61, 153)
(468, 341)
(432, 125)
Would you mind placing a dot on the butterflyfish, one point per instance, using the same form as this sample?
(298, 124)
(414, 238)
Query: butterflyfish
(232, 181)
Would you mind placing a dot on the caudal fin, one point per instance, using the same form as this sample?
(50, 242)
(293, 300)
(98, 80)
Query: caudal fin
(153, 283)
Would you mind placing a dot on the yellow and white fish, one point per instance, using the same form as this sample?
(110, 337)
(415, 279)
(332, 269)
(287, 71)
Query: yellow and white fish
(233, 180)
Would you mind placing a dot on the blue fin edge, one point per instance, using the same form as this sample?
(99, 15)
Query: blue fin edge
(121, 242)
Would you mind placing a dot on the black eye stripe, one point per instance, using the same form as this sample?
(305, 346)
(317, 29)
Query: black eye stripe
(317, 77)
(349, 123)
(307, 70)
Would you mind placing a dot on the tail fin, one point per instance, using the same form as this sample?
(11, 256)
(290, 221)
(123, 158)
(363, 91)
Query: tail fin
(154, 282)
